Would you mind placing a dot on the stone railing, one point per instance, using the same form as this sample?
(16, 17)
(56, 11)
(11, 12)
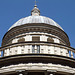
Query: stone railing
(39, 47)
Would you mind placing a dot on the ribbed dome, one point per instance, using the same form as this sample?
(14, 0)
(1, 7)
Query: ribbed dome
(35, 19)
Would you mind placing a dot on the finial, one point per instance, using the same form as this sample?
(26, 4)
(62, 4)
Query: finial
(35, 11)
(35, 2)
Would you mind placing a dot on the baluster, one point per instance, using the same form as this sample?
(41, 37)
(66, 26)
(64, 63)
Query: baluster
(71, 54)
(67, 52)
(0, 53)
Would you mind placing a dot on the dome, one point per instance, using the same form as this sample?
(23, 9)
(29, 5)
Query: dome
(35, 18)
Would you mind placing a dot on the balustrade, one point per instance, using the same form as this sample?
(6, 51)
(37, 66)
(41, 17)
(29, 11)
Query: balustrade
(42, 48)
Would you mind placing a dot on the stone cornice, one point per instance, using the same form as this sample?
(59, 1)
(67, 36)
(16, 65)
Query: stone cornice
(39, 67)
(35, 42)
(35, 28)
(37, 58)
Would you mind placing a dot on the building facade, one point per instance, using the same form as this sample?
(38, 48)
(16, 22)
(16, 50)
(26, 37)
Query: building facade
(36, 45)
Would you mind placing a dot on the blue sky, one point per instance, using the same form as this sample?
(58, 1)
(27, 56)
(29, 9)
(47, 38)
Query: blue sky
(61, 11)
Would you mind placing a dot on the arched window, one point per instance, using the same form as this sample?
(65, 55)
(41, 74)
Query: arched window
(21, 40)
(50, 40)
(35, 38)
(61, 42)
(10, 42)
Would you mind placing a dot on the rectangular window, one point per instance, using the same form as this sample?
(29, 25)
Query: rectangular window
(38, 49)
(15, 51)
(36, 38)
(35, 49)
(10, 52)
(28, 50)
(42, 51)
(55, 51)
(22, 51)
(49, 51)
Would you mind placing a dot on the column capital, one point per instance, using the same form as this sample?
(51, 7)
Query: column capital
(20, 72)
(51, 72)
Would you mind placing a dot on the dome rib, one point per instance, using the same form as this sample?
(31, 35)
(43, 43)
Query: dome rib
(35, 19)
